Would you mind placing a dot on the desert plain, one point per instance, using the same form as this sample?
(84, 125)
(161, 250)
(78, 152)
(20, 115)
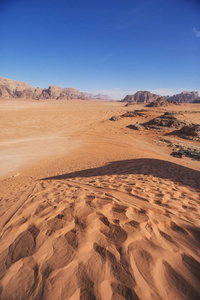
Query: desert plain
(91, 209)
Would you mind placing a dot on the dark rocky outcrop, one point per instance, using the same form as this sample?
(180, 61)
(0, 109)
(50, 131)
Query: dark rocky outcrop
(161, 102)
(130, 114)
(192, 130)
(135, 113)
(114, 118)
(135, 126)
(168, 119)
(192, 153)
(158, 102)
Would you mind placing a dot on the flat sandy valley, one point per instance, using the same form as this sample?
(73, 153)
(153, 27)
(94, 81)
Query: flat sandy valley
(91, 209)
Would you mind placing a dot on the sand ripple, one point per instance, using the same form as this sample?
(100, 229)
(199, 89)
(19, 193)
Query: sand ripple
(131, 236)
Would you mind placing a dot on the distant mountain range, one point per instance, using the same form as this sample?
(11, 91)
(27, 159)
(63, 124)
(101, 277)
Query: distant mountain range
(11, 89)
(147, 97)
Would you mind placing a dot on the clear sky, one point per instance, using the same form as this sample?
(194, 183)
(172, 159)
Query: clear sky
(115, 46)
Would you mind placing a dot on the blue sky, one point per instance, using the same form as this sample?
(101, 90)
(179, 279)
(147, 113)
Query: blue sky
(115, 46)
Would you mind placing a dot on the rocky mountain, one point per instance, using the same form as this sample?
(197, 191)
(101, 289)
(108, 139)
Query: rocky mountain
(99, 96)
(11, 89)
(196, 100)
(102, 97)
(158, 102)
(14, 89)
(54, 92)
(141, 97)
(147, 97)
(161, 101)
(184, 97)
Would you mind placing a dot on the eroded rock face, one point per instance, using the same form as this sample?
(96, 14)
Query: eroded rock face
(141, 97)
(14, 89)
(147, 97)
(184, 97)
(11, 89)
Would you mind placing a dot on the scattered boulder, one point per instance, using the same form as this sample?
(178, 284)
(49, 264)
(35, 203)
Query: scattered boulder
(135, 126)
(114, 118)
(177, 154)
(130, 104)
(180, 149)
(181, 152)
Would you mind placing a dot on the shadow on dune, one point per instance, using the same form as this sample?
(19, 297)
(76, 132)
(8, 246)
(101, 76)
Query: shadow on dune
(155, 167)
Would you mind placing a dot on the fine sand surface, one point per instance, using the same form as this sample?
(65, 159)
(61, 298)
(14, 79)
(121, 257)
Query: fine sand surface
(93, 210)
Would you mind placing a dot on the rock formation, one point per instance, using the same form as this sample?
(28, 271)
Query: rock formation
(114, 118)
(184, 97)
(168, 119)
(135, 113)
(161, 101)
(135, 126)
(11, 89)
(158, 102)
(140, 97)
(14, 89)
(147, 97)
(191, 130)
(197, 100)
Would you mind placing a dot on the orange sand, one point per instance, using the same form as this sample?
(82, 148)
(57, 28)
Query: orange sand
(93, 210)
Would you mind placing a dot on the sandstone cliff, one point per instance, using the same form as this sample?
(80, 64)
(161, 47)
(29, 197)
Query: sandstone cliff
(184, 97)
(141, 97)
(14, 89)
(147, 97)
(11, 89)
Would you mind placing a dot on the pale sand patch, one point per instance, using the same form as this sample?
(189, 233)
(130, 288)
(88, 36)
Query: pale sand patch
(19, 152)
